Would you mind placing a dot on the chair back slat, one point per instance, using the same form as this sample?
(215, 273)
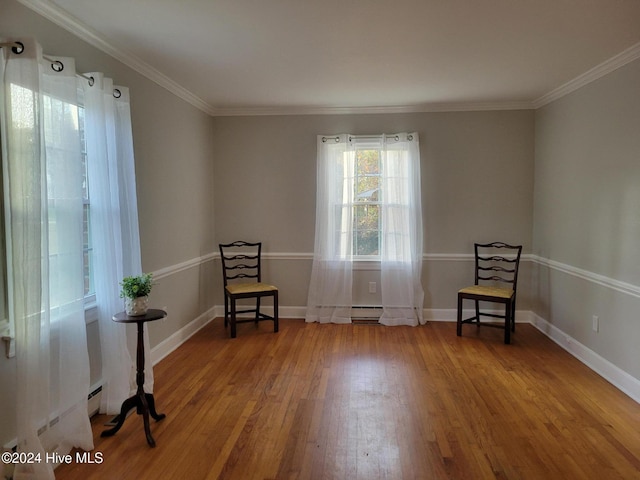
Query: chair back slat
(497, 268)
(498, 258)
(240, 275)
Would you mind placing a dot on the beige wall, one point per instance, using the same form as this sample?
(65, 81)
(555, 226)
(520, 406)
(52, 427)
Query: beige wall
(172, 141)
(477, 185)
(587, 215)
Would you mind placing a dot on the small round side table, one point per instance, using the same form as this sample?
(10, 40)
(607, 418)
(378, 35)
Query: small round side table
(144, 403)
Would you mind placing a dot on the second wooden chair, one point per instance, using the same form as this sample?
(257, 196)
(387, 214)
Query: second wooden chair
(242, 275)
(496, 280)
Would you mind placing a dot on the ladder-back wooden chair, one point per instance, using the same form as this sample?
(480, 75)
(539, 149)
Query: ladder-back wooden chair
(242, 275)
(496, 281)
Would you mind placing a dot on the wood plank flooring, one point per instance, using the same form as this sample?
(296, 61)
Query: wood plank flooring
(372, 402)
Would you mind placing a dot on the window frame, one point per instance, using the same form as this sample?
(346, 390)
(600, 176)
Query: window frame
(90, 304)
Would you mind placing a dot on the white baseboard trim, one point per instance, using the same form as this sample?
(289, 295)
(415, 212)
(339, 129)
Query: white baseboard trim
(603, 367)
(171, 343)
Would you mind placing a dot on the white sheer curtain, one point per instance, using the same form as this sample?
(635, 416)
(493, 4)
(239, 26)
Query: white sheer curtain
(330, 292)
(400, 217)
(401, 245)
(114, 229)
(42, 178)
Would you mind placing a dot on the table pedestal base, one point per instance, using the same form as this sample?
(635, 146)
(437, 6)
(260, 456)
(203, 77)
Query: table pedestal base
(145, 405)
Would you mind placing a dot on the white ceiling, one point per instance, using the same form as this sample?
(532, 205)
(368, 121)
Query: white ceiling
(279, 56)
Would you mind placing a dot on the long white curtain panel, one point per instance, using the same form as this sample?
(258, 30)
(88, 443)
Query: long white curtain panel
(42, 175)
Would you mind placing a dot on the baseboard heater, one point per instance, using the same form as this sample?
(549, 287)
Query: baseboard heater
(366, 314)
(93, 407)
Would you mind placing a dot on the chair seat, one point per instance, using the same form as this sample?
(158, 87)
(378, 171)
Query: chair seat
(487, 291)
(244, 288)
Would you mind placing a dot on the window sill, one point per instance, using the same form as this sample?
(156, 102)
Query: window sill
(90, 310)
(90, 316)
(8, 339)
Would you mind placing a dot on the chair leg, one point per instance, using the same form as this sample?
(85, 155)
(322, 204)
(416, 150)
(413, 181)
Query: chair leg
(477, 312)
(507, 323)
(226, 310)
(459, 328)
(275, 312)
(257, 310)
(233, 318)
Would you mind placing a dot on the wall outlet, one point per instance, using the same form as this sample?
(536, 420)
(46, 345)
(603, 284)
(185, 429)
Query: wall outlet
(595, 323)
(373, 287)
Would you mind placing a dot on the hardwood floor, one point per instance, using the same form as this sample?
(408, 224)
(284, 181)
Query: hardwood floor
(371, 402)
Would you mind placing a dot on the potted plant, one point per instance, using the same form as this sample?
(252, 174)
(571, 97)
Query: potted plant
(135, 291)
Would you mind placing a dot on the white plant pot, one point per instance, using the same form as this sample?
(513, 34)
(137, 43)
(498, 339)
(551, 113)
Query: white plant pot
(135, 307)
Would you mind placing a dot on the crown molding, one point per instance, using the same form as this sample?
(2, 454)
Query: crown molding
(363, 110)
(65, 20)
(626, 56)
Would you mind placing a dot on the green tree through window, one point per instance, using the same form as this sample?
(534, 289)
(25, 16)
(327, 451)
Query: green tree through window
(367, 196)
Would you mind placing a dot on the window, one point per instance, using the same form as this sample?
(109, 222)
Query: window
(61, 124)
(63, 121)
(370, 184)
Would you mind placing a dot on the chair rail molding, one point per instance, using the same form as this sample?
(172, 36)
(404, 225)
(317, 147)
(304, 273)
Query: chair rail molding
(602, 280)
(179, 267)
(446, 257)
